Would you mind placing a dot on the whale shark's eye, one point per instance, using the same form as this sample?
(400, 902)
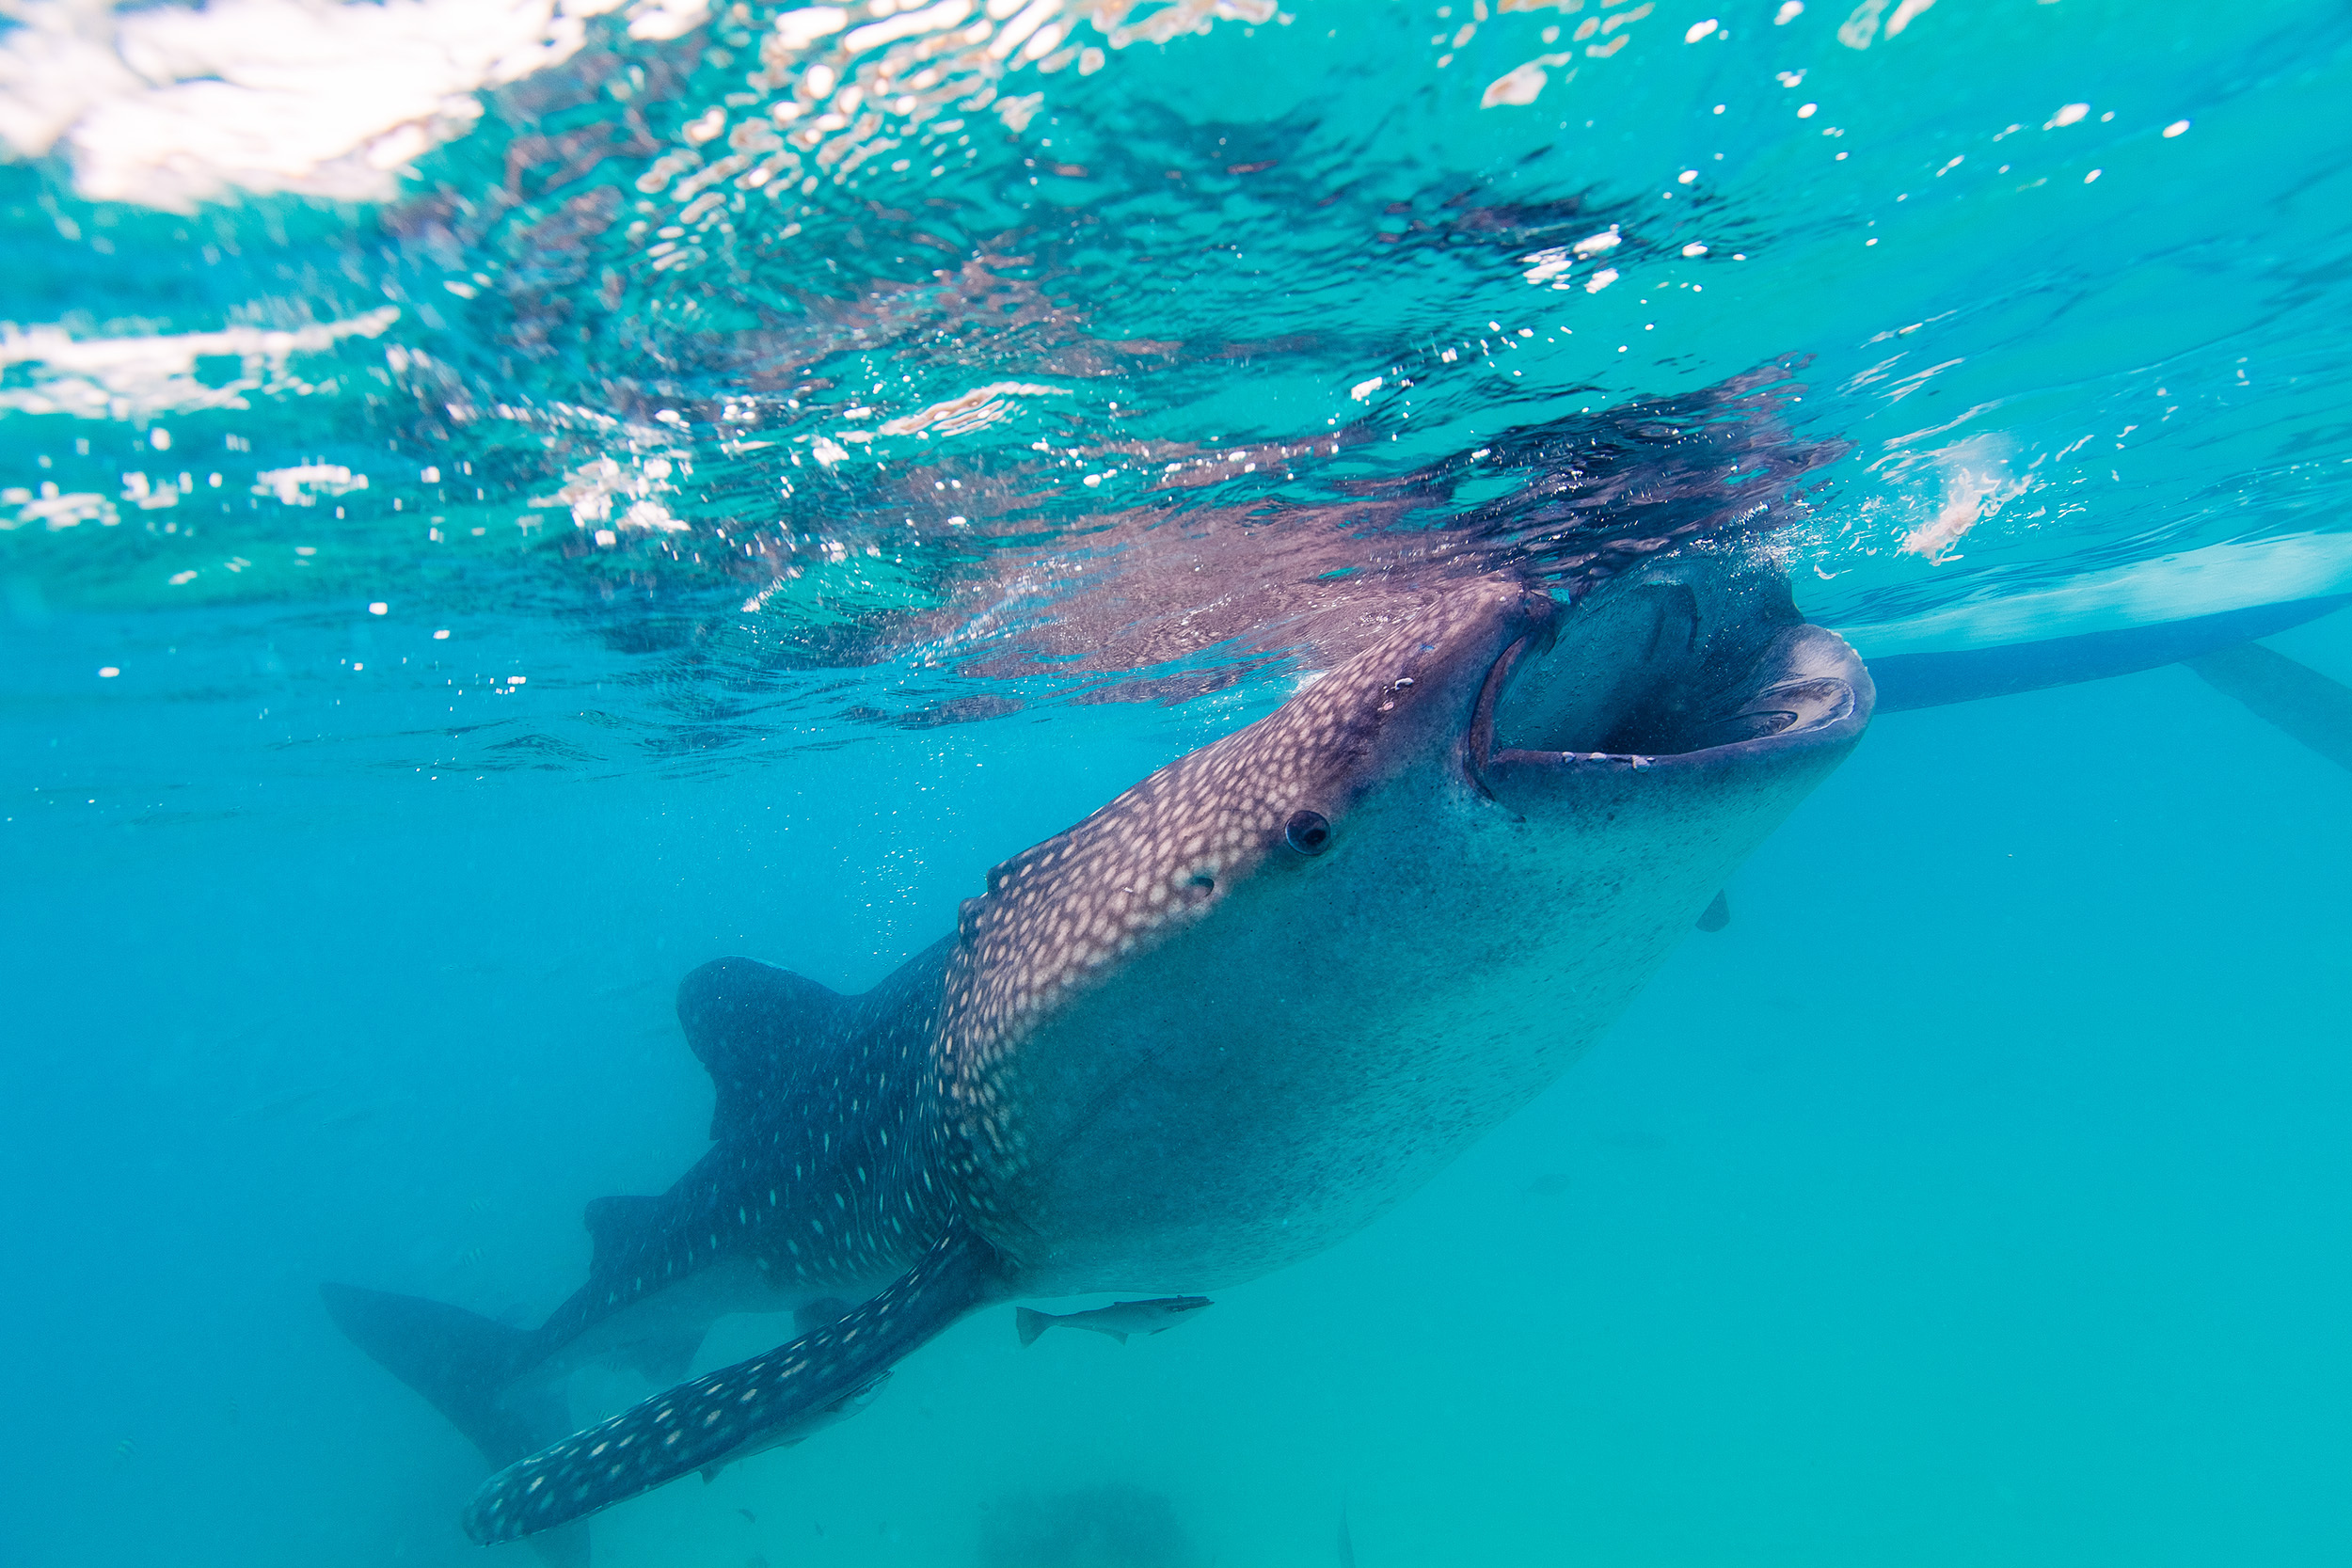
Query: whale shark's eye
(1308, 832)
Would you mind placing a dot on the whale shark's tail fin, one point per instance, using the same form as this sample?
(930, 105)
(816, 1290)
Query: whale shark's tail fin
(458, 1360)
(768, 1400)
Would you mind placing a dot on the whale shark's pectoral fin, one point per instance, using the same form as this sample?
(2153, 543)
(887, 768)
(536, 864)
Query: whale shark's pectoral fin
(841, 1409)
(817, 1314)
(771, 1398)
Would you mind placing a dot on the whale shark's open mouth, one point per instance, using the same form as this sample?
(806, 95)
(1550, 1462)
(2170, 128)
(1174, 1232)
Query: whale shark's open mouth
(1664, 673)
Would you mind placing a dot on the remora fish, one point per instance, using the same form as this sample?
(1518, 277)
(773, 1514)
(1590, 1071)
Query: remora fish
(1225, 1021)
(1118, 1320)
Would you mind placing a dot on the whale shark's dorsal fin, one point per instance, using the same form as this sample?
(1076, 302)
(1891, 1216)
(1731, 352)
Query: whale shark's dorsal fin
(745, 1020)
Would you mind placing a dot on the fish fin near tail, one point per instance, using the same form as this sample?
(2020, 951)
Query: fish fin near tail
(751, 1405)
(459, 1361)
(665, 1359)
(1716, 915)
(2291, 697)
(1031, 1323)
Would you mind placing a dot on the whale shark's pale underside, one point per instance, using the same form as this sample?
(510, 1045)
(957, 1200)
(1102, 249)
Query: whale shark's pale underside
(1207, 1031)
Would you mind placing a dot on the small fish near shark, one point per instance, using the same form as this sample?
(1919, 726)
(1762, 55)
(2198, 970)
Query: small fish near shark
(1205, 1033)
(1120, 1320)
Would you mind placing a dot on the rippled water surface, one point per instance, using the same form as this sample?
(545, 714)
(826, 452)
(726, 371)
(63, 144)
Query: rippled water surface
(502, 501)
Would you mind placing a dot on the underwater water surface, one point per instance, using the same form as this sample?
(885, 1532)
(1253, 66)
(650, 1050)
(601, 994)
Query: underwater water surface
(502, 503)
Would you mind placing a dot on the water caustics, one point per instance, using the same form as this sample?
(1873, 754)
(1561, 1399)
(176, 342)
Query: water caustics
(778, 323)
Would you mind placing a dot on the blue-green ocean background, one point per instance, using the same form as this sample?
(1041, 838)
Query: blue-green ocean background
(1979, 1195)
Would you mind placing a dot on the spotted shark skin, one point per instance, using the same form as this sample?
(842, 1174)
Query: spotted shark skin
(731, 1412)
(821, 1144)
(1231, 1018)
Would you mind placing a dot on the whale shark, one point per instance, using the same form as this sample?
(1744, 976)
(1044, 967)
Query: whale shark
(1251, 1004)
(1223, 1023)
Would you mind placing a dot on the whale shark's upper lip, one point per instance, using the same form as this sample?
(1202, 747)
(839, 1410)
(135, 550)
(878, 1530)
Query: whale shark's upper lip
(1478, 744)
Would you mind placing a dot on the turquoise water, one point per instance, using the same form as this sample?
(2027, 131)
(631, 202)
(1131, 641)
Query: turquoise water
(1976, 1196)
